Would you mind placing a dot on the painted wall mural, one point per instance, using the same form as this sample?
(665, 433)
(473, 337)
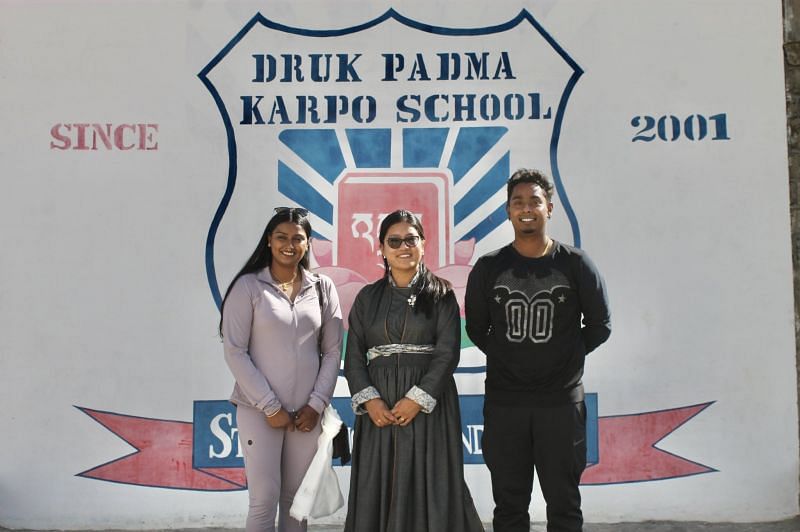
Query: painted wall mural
(149, 180)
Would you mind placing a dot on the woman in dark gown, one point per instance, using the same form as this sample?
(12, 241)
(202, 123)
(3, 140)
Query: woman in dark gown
(403, 345)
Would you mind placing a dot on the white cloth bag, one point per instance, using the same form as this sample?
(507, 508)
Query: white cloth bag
(319, 493)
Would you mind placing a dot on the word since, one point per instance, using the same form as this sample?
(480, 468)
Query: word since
(123, 137)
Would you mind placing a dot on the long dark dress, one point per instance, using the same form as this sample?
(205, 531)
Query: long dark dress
(407, 479)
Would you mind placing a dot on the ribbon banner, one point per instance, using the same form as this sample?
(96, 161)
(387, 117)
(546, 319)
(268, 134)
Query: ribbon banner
(205, 456)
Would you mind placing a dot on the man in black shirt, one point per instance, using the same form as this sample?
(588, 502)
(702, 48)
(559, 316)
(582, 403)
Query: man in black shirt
(536, 308)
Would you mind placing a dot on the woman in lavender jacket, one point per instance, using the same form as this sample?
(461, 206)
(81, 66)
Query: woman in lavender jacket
(281, 327)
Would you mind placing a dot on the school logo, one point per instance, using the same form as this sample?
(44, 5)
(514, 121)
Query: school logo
(433, 121)
(351, 202)
(352, 124)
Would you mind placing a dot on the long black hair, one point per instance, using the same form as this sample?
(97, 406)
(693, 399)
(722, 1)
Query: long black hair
(430, 288)
(262, 255)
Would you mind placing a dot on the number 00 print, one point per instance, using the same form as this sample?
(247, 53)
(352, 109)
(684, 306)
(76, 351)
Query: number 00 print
(670, 128)
(532, 320)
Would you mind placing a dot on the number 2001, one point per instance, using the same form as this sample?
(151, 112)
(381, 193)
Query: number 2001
(671, 128)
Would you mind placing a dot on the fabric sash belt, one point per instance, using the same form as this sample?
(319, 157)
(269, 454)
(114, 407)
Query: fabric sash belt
(395, 349)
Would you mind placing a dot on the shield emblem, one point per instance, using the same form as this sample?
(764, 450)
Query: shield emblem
(352, 127)
(391, 114)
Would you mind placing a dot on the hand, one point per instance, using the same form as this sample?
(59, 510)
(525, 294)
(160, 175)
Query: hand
(306, 419)
(405, 410)
(379, 413)
(281, 420)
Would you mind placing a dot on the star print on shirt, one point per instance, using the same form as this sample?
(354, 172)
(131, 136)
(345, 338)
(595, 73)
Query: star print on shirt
(497, 298)
(562, 298)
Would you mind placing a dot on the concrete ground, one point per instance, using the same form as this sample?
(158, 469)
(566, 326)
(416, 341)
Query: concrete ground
(790, 525)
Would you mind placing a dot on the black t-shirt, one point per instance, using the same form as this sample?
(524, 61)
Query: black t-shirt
(525, 314)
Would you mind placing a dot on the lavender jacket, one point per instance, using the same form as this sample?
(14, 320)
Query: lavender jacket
(272, 345)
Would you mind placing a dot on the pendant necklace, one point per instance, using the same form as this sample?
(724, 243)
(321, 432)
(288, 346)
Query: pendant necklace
(412, 298)
(546, 247)
(285, 286)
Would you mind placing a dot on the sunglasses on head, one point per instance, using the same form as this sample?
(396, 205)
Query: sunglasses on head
(395, 242)
(292, 210)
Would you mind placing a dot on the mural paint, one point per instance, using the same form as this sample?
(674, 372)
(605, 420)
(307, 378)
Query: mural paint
(147, 143)
(432, 122)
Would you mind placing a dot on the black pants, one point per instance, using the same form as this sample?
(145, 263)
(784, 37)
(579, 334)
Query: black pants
(517, 439)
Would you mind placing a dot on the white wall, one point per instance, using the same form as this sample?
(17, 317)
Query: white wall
(106, 303)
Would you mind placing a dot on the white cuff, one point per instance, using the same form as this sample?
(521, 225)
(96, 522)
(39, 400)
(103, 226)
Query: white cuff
(368, 393)
(422, 398)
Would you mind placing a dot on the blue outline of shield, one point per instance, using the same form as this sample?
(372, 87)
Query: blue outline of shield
(523, 16)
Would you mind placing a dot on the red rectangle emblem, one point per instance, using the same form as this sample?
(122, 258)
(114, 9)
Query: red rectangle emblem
(366, 198)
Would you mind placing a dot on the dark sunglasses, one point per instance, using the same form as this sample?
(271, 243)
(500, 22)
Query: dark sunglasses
(292, 210)
(410, 241)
